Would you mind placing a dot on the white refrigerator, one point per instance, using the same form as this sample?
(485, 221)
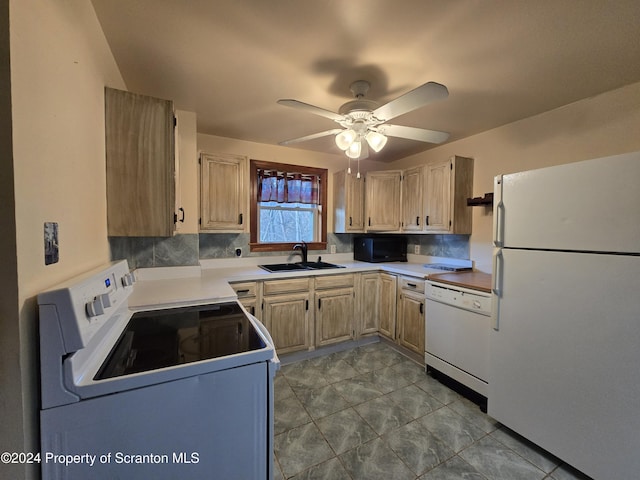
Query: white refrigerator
(565, 343)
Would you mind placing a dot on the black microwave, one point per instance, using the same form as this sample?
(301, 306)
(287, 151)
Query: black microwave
(379, 248)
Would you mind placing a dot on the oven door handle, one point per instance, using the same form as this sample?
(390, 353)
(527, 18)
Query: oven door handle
(275, 360)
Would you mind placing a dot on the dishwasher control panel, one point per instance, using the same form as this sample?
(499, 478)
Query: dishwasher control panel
(459, 297)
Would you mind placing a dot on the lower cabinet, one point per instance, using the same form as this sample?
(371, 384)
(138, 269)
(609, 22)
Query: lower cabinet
(388, 286)
(302, 313)
(334, 309)
(249, 297)
(369, 305)
(411, 314)
(286, 313)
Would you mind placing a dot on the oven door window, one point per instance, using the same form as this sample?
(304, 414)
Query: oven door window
(164, 338)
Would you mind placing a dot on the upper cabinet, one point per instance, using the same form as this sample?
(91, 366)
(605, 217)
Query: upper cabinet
(140, 165)
(447, 186)
(382, 203)
(429, 198)
(413, 200)
(348, 203)
(223, 201)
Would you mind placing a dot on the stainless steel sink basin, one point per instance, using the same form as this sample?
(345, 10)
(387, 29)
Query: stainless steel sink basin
(288, 267)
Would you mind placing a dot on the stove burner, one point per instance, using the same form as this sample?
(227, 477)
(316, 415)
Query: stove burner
(164, 338)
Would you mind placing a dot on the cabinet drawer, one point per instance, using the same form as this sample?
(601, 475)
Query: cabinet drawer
(335, 281)
(413, 284)
(245, 289)
(286, 285)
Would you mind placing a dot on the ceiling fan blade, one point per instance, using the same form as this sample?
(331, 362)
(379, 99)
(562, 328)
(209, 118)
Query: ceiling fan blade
(288, 102)
(416, 98)
(313, 136)
(413, 133)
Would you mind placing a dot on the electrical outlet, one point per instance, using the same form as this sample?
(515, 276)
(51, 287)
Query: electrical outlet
(416, 249)
(333, 249)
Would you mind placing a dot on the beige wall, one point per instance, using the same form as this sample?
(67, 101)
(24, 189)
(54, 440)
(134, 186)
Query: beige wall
(187, 152)
(607, 124)
(60, 63)
(276, 153)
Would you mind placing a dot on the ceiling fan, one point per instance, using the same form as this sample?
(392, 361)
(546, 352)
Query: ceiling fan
(363, 121)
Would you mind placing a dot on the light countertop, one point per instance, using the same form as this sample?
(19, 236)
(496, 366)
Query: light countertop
(209, 282)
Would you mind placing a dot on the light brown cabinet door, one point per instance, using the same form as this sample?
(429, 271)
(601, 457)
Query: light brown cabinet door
(447, 187)
(383, 201)
(287, 319)
(369, 302)
(438, 199)
(412, 200)
(334, 316)
(348, 203)
(411, 321)
(140, 165)
(387, 305)
(223, 203)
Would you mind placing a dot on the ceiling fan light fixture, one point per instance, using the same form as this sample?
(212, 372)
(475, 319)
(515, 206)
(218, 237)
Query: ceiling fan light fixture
(376, 140)
(345, 139)
(354, 150)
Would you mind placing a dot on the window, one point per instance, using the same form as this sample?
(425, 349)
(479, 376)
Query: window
(287, 206)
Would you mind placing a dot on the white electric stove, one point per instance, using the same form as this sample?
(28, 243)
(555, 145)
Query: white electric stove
(167, 392)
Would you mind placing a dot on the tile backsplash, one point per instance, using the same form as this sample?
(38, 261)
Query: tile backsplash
(188, 249)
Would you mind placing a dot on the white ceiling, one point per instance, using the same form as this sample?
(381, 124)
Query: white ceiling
(502, 60)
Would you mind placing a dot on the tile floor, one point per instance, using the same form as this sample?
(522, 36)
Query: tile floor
(371, 413)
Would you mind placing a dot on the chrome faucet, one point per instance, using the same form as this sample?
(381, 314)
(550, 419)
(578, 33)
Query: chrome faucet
(303, 250)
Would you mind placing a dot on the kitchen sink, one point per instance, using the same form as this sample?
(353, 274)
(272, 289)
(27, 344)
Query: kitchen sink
(283, 267)
(321, 265)
(288, 267)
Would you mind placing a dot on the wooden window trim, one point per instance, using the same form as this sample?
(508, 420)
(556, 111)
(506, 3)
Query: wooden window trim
(254, 166)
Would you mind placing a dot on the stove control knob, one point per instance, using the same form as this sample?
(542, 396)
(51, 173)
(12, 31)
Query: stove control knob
(128, 279)
(95, 307)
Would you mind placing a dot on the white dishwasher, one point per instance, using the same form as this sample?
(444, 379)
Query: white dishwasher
(457, 326)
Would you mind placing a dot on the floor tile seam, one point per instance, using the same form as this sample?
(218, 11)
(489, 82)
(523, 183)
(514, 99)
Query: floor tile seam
(474, 418)
(545, 474)
(443, 440)
(294, 427)
(467, 463)
(349, 404)
(436, 398)
(336, 454)
(521, 456)
(418, 475)
(382, 439)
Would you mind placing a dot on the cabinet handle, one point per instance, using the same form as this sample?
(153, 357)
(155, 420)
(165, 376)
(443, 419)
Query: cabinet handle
(306, 305)
(421, 308)
(253, 310)
(319, 303)
(369, 221)
(240, 219)
(418, 221)
(175, 216)
(245, 290)
(426, 220)
(412, 285)
(350, 221)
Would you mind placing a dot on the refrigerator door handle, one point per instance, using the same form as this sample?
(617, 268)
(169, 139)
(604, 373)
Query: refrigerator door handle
(498, 213)
(496, 288)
